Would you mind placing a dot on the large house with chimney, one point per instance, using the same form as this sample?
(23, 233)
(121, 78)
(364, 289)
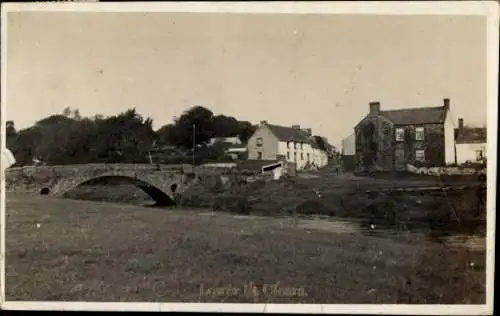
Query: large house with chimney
(470, 143)
(387, 140)
(291, 144)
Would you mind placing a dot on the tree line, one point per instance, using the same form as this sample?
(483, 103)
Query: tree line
(128, 137)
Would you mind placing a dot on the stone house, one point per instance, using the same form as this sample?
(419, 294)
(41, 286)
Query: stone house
(390, 140)
(470, 143)
(291, 144)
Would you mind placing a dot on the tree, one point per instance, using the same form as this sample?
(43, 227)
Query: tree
(23, 145)
(180, 132)
(67, 111)
(225, 126)
(76, 114)
(69, 138)
(57, 144)
(61, 139)
(198, 121)
(126, 137)
(246, 130)
(167, 135)
(10, 129)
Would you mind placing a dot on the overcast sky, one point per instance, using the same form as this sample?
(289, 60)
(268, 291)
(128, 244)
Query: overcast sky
(319, 71)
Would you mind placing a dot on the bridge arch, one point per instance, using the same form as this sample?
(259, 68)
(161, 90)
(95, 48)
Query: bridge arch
(157, 194)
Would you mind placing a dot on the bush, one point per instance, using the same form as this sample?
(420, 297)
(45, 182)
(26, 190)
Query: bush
(474, 165)
(383, 209)
(311, 207)
(232, 204)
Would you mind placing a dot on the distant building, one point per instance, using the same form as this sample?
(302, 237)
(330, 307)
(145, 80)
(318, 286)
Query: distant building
(389, 140)
(237, 151)
(292, 144)
(226, 140)
(349, 153)
(470, 143)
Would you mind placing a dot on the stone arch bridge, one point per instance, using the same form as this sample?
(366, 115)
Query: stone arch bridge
(161, 182)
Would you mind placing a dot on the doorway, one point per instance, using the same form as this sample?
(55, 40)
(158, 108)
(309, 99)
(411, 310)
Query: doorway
(400, 159)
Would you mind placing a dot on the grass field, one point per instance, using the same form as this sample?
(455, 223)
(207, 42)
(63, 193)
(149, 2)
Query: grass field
(74, 250)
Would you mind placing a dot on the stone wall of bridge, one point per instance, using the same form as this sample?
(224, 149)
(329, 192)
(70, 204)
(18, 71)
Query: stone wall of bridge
(159, 181)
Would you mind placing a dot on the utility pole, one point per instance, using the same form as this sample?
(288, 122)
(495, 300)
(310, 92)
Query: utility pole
(150, 158)
(194, 139)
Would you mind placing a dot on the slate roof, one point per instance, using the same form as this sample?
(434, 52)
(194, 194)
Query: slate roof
(429, 115)
(288, 134)
(314, 143)
(470, 135)
(237, 146)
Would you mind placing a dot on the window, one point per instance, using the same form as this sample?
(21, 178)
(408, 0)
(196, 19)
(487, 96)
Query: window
(259, 155)
(301, 146)
(295, 156)
(288, 155)
(301, 156)
(479, 155)
(400, 134)
(287, 144)
(308, 158)
(420, 155)
(260, 141)
(419, 133)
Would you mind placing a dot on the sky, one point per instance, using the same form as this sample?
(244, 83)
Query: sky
(316, 71)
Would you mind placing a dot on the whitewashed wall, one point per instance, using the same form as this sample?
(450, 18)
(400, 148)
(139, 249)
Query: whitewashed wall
(316, 156)
(468, 152)
(349, 145)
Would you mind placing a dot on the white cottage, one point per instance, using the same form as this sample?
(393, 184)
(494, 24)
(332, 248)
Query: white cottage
(293, 144)
(470, 143)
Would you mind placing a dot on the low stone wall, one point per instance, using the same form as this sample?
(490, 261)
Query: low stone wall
(437, 171)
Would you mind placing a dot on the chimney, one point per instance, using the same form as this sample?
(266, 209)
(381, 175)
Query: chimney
(460, 125)
(296, 126)
(446, 103)
(374, 107)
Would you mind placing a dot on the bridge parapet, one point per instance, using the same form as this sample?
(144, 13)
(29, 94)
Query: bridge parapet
(156, 180)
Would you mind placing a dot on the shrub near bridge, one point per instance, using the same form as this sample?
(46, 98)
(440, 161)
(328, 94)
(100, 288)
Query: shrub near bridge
(232, 204)
(457, 210)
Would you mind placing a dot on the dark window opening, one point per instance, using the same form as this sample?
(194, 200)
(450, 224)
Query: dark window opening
(173, 187)
(260, 141)
(479, 155)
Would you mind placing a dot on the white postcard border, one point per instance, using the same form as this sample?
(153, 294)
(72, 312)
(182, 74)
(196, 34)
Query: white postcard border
(484, 8)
